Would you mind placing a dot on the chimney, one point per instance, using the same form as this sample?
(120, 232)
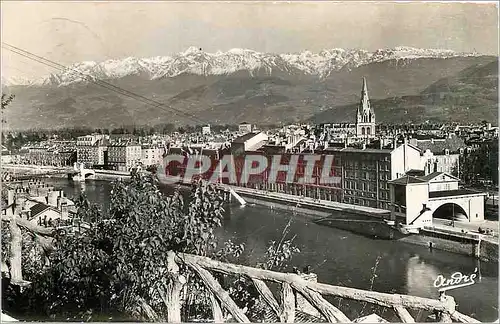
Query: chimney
(20, 206)
(25, 212)
(52, 198)
(64, 209)
(11, 197)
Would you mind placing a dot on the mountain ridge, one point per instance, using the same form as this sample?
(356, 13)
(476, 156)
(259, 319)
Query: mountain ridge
(198, 62)
(400, 90)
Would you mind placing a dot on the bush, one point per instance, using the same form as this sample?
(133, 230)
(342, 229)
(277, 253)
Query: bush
(118, 266)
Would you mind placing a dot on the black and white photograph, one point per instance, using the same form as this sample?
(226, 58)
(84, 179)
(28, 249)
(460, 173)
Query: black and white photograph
(249, 161)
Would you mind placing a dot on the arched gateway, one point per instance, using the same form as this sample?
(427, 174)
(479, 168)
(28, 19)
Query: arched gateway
(436, 195)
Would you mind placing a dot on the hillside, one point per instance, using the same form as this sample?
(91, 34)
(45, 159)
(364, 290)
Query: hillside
(471, 95)
(401, 89)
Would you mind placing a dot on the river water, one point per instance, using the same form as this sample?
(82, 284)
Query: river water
(342, 258)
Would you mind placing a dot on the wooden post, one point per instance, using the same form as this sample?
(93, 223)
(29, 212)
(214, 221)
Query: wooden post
(449, 302)
(302, 304)
(477, 248)
(173, 290)
(287, 304)
(267, 295)
(216, 309)
(16, 271)
(214, 287)
(404, 315)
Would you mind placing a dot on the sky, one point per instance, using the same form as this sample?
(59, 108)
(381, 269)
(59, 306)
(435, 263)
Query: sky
(71, 32)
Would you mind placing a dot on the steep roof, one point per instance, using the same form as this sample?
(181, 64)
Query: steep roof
(38, 209)
(434, 175)
(242, 139)
(459, 192)
(453, 144)
(407, 180)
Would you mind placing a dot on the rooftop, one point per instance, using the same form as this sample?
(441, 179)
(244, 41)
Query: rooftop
(358, 150)
(39, 208)
(459, 192)
(407, 180)
(242, 139)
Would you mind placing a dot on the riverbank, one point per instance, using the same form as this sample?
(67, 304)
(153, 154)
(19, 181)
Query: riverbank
(17, 167)
(337, 256)
(111, 175)
(357, 219)
(99, 174)
(369, 221)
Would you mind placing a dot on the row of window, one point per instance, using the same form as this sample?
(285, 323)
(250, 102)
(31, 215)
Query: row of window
(367, 175)
(367, 203)
(368, 165)
(383, 194)
(365, 186)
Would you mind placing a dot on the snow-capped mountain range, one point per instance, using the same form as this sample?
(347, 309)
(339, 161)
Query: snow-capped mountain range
(195, 61)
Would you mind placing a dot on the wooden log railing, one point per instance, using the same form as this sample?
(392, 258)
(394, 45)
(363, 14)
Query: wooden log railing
(291, 285)
(285, 309)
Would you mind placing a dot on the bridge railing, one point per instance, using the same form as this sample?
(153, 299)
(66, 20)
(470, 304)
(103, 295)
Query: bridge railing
(292, 287)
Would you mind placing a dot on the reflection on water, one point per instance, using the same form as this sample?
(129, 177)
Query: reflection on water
(342, 258)
(418, 272)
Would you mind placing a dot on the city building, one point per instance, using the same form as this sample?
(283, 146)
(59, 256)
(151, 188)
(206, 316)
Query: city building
(437, 195)
(91, 149)
(152, 155)
(244, 128)
(362, 128)
(205, 130)
(124, 156)
(248, 142)
(363, 174)
(366, 172)
(440, 154)
(52, 155)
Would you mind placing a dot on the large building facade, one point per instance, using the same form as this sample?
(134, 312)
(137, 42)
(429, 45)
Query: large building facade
(363, 174)
(124, 156)
(91, 149)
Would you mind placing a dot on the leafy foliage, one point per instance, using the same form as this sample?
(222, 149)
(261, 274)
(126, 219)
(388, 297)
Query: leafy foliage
(120, 260)
(117, 267)
(480, 164)
(6, 100)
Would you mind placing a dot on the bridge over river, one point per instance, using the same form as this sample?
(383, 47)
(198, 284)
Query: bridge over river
(26, 172)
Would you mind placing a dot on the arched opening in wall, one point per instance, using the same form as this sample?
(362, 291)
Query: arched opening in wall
(369, 131)
(450, 211)
(362, 131)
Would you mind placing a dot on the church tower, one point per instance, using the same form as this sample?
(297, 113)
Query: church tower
(365, 116)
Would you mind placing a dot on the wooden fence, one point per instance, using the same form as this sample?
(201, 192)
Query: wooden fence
(291, 286)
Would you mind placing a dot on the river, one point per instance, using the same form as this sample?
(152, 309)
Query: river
(342, 258)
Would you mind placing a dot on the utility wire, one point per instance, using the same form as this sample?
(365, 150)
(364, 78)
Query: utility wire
(122, 91)
(101, 83)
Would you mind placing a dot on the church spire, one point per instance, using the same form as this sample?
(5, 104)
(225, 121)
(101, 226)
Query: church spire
(365, 125)
(365, 101)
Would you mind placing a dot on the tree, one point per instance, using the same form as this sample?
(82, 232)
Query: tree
(118, 266)
(6, 100)
(480, 164)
